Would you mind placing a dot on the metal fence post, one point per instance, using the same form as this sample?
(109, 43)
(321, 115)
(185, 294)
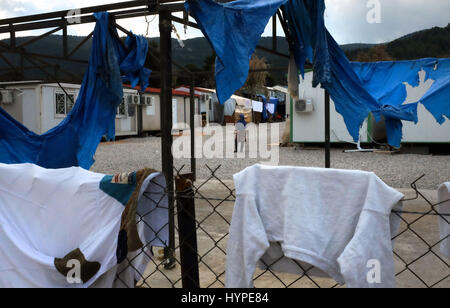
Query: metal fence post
(187, 231)
(327, 131)
(166, 125)
(192, 120)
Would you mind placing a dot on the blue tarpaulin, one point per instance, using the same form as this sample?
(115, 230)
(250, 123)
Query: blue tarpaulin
(75, 140)
(233, 29)
(386, 81)
(272, 101)
(358, 89)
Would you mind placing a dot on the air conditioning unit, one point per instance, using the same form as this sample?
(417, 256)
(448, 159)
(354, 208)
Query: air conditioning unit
(6, 96)
(134, 100)
(304, 106)
(148, 100)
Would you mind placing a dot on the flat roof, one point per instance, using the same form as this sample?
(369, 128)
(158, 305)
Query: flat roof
(156, 90)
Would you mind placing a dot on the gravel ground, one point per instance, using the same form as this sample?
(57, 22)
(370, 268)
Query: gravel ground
(397, 170)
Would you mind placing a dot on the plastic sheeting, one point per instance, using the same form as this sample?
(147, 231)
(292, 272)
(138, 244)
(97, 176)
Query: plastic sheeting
(233, 29)
(75, 140)
(386, 82)
(374, 87)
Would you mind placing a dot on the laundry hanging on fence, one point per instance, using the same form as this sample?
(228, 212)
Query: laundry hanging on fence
(444, 221)
(318, 221)
(257, 106)
(50, 216)
(75, 140)
(270, 108)
(233, 29)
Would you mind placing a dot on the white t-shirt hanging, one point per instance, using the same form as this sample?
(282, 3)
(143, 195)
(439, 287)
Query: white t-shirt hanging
(270, 108)
(48, 213)
(257, 106)
(336, 220)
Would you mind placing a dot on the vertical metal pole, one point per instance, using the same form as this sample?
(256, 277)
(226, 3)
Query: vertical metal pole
(187, 231)
(65, 41)
(192, 120)
(22, 65)
(274, 33)
(165, 30)
(327, 131)
(12, 37)
(139, 112)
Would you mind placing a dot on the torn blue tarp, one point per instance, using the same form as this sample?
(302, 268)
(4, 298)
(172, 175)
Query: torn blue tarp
(332, 70)
(360, 88)
(387, 82)
(75, 140)
(306, 22)
(233, 29)
(437, 99)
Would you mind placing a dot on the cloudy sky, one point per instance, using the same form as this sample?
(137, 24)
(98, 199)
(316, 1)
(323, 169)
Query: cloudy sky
(347, 20)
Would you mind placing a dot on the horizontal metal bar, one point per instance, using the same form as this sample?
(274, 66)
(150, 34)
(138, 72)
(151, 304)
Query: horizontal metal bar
(25, 68)
(87, 38)
(122, 29)
(23, 52)
(37, 38)
(182, 21)
(85, 10)
(55, 57)
(61, 21)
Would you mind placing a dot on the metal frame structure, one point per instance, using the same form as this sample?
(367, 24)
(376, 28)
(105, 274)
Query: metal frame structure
(61, 20)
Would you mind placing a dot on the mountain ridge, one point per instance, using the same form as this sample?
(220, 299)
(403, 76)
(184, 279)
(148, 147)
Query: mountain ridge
(433, 42)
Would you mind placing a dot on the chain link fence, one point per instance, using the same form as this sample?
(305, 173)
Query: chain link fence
(203, 211)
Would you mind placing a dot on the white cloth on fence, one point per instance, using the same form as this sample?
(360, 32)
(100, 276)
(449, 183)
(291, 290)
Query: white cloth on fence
(257, 106)
(339, 221)
(270, 108)
(127, 273)
(444, 222)
(47, 213)
(248, 104)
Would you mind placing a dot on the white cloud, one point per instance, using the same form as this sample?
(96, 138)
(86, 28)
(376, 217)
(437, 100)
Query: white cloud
(346, 19)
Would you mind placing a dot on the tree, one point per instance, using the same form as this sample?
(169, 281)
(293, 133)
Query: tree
(152, 62)
(207, 79)
(374, 54)
(256, 80)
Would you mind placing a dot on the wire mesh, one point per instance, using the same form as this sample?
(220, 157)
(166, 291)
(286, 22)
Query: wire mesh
(418, 260)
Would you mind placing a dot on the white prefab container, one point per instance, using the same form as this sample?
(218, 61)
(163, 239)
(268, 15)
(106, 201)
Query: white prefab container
(309, 127)
(42, 106)
(204, 97)
(181, 112)
(308, 117)
(151, 110)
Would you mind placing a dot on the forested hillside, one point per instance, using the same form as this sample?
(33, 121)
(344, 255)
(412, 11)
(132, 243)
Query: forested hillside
(197, 55)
